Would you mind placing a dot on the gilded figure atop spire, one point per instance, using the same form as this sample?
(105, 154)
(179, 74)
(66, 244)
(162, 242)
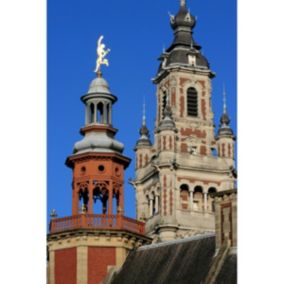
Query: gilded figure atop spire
(102, 52)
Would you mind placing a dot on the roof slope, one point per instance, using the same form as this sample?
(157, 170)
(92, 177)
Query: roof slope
(228, 272)
(183, 261)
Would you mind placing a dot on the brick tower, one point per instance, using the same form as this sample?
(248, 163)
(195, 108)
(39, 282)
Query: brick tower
(176, 176)
(97, 236)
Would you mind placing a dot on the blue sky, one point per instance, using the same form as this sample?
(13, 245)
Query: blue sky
(136, 32)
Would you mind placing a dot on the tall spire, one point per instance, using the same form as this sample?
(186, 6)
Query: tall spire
(144, 114)
(225, 128)
(182, 3)
(224, 100)
(144, 139)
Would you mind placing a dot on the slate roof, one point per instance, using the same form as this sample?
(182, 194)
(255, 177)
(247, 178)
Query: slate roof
(228, 272)
(184, 261)
(179, 262)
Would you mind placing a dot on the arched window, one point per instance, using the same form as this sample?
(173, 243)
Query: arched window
(192, 102)
(100, 113)
(92, 113)
(83, 198)
(211, 202)
(198, 198)
(184, 196)
(108, 115)
(164, 103)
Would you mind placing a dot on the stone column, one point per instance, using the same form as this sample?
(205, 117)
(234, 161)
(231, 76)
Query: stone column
(157, 203)
(205, 202)
(82, 264)
(191, 199)
(51, 268)
(95, 113)
(109, 115)
(151, 206)
(104, 113)
(87, 115)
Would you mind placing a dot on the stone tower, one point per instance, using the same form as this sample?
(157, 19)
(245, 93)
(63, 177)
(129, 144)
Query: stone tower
(176, 176)
(83, 247)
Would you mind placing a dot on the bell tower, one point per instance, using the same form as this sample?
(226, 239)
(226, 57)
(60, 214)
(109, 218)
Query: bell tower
(174, 188)
(84, 247)
(97, 162)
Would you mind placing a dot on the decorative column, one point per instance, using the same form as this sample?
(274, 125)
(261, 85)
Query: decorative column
(105, 113)
(109, 115)
(120, 206)
(75, 201)
(95, 112)
(151, 206)
(157, 203)
(205, 202)
(90, 201)
(110, 197)
(87, 114)
(191, 199)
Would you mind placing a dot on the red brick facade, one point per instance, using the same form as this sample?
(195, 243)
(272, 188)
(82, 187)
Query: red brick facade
(98, 261)
(66, 266)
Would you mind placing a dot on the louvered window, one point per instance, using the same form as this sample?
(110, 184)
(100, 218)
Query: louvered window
(192, 102)
(164, 103)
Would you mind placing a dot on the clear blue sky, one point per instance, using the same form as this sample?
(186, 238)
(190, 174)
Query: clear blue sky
(136, 32)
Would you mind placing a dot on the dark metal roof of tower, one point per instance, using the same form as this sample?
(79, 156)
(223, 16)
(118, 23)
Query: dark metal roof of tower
(183, 44)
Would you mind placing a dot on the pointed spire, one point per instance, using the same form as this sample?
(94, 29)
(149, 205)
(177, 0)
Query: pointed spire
(224, 128)
(144, 114)
(224, 100)
(182, 3)
(144, 139)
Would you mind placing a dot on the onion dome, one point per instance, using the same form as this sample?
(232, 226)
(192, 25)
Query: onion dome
(99, 142)
(183, 18)
(99, 88)
(183, 50)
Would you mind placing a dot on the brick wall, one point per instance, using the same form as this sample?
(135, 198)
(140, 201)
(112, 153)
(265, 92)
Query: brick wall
(65, 266)
(98, 261)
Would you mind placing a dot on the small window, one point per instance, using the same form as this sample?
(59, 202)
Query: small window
(164, 103)
(192, 102)
(101, 168)
(92, 113)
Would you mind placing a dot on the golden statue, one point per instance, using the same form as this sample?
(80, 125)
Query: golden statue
(102, 53)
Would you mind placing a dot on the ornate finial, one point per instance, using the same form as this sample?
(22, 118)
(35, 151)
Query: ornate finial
(144, 113)
(102, 53)
(53, 214)
(224, 100)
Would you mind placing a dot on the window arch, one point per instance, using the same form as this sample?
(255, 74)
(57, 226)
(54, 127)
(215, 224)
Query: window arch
(198, 198)
(100, 113)
(164, 103)
(92, 113)
(211, 202)
(184, 196)
(192, 102)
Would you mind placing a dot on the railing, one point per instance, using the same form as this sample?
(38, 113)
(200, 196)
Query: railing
(94, 221)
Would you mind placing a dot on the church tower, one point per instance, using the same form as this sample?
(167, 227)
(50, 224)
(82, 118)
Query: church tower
(177, 175)
(83, 247)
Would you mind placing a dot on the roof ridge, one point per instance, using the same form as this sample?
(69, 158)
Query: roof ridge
(177, 241)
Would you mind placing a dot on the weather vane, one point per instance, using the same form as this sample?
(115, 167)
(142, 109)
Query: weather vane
(102, 52)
